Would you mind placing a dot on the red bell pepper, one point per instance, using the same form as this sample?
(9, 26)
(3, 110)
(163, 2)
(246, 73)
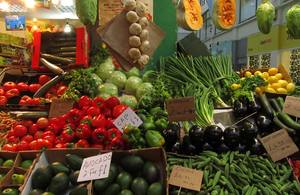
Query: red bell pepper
(106, 112)
(83, 131)
(44, 144)
(33, 129)
(98, 101)
(118, 110)
(84, 101)
(99, 135)
(99, 121)
(82, 143)
(68, 134)
(86, 120)
(54, 128)
(113, 133)
(38, 135)
(112, 102)
(9, 147)
(93, 111)
(12, 139)
(75, 115)
(22, 146)
(27, 138)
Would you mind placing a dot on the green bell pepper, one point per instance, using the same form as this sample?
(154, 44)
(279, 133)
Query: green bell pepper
(154, 138)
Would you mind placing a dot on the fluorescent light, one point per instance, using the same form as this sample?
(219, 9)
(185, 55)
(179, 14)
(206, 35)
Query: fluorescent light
(29, 3)
(4, 6)
(66, 2)
(67, 28)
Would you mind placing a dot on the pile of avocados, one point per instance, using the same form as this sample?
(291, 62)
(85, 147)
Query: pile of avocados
(131, 176)
(57, 178)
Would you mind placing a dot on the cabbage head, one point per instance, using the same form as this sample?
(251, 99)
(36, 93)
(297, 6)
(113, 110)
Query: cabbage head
(293, 21)
(265, 15)
(143, 89)
(118, 78)
(132, 84)
(105, 70)
(134, 71)
(108, 88)
(87, 11)
(129, 100)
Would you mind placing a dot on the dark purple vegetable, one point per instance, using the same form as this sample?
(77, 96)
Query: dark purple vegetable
(253, 106)
(187, 147)
(206, 147)
(264, 123)
(176, 148)
(213, 135)
(241, 148)
(222, 148)
(231, 137)
(249, 130)
(239, 109)
(196, 134)
(257, 148)
(171, 134)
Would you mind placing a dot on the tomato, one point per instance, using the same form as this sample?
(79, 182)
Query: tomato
(27, 138)
(9, 85)
(22, 86)
(22, 146)
(3, 100)
(49, 95)
(43, 79)
(46, 133)
(20, 130)
(50, 138)
(33, 129)
(2, 92)
(34, 87)
(9, 147)
(12, 139)
(93, 111)
(10, 133)
(82, 143)
(61, 90)
(38, 135)
(27, 123)
(59, 146)
(42, 123)
(55, 129)
(34, 101)
(12, 93)
(84, 101)
(58, 121)
(33, 145)
(118, 110)
(44, 144)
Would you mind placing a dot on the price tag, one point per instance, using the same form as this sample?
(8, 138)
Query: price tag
(292, 106)
(181, 109)
(128, 117)
(279, 145)
(95, 167)
(187, 178)
(60, 107)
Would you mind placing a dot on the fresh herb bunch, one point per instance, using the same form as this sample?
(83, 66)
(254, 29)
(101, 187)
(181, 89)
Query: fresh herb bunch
(99, 55)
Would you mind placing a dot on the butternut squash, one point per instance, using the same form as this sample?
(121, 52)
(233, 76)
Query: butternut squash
(224, 14)
(189, 15)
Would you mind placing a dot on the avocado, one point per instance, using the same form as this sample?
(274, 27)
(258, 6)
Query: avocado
(125, 192)
(59, 183)
(112, 189)
(41, 178)
(58, 167)
(73, 177)
(155, 189)
(150, 172)
(132, 163)
(79, 190)
(113, 172)
(100, 185)
(74, 161)
(8, 163)
(139, 186)
(36, 192)
(124, 179)
(26, 164)
(10, 191)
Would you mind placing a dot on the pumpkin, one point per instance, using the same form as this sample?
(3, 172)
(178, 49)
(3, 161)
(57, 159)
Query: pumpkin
(224, 16)
(189, 15)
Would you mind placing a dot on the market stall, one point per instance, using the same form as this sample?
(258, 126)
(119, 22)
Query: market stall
(102, 101)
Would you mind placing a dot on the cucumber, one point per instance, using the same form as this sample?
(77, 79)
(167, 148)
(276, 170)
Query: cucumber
(275, 105)
(280, 101)
(283, 126)
(287, 120)
(266, 105)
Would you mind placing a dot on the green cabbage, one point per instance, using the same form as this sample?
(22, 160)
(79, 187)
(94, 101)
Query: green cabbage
(108, 88)
(133, 72)
(129, 100)
(149, 76)
(118, 78)
(97, 79)
(104, 95)
(132, 84)
(293, 21)
(105, 70)
(143, 89)
(265, 15)
(87, 11)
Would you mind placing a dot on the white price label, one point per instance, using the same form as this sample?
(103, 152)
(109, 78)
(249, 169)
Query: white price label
(95, 167)
(128, 117)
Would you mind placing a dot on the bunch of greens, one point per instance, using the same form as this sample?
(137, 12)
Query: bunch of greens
(99, 55)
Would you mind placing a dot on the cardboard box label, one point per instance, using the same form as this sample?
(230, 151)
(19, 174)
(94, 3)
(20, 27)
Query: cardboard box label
(279, 145)
(60, 107)
(181, 109)
(292, 106)
(187, 178)
(95, 167)
(128, 117)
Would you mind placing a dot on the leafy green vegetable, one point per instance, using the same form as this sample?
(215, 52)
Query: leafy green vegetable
(118, 78)
(105, 69)
(129, 100)
(108, 88)
(293, 22)
(87, 11)
(132, 84)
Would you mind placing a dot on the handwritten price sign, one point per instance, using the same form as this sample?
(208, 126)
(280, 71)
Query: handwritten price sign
(95, 167)
(181, 109)
(187, 178)
(279, 145)
(128, 117)
(292, 106)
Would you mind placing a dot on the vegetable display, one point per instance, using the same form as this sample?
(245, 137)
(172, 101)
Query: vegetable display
(224, 14)
(265, 15)
(237, 173)
(293, 22)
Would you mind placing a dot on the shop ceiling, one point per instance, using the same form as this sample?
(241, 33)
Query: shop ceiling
(59, 9)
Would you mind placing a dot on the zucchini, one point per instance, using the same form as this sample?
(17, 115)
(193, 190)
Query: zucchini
(52, 67)
(283, 126)
(56, 58)
(266, 105)
(280, 101)
(287, 120)
(275, 105)
(46, 87)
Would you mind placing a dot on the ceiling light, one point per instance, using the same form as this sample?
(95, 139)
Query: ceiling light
(66, 2)
(55, 2)
(29, 3)
(67, 28)
(34, 19)
(4, 6)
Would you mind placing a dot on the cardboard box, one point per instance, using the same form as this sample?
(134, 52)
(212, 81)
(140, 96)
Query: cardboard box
(156, 155)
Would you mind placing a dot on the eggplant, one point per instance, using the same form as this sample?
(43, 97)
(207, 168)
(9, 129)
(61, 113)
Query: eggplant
(171, 134)
(196, 134)
(249, 130)
(222, 148)
(187, 147)
(253, 106)
(176, 148)
(213, 134)
(239, 108)
(264, 123)
(231, 137)
(207, 147)
(241, 148)
(257, 148)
